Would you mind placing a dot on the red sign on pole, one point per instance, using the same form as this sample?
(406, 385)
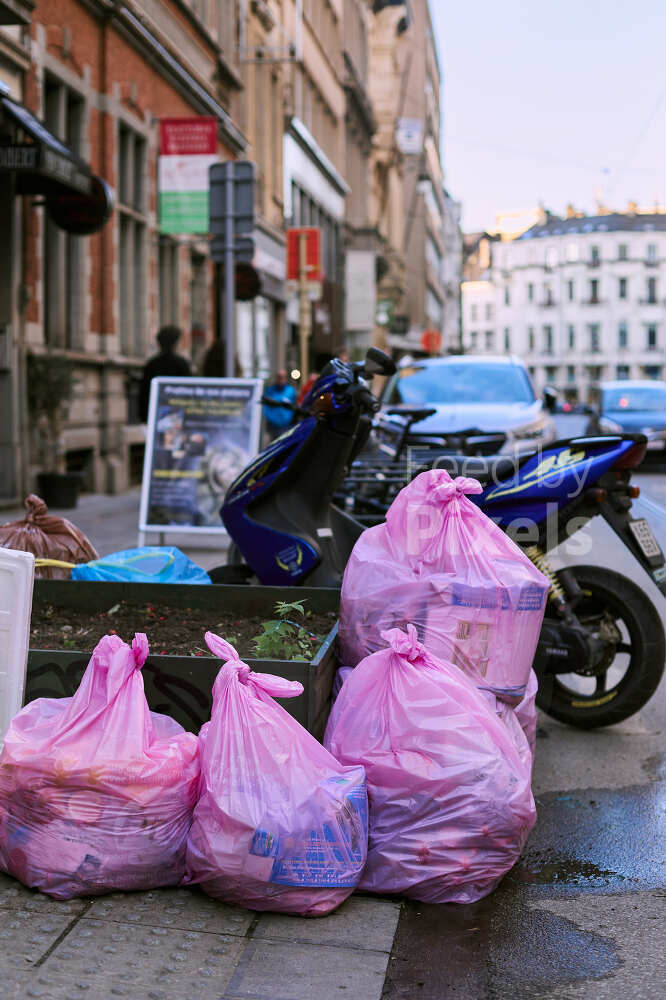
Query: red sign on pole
(431, 341)
(313, 253)
(188, 136)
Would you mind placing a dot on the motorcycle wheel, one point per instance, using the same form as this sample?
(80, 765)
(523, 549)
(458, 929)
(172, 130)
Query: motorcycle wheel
(633, 668)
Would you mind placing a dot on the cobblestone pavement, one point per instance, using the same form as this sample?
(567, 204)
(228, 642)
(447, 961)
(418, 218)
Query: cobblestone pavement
(177, 943)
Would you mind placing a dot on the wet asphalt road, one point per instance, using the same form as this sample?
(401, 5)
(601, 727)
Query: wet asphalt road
(583, 914)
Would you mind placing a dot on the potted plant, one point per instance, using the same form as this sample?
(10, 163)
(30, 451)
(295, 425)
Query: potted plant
(51, 382)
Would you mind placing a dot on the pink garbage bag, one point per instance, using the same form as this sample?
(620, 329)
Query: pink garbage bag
(280, 825)
(96, 791)
(450, 803)
(441, 564)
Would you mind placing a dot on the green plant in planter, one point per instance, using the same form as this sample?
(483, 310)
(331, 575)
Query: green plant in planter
(51, 384)
(285, 639)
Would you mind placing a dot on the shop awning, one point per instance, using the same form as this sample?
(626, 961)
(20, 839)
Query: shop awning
(40, 162)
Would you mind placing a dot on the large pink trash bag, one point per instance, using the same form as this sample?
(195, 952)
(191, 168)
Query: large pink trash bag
(441, 564)
(279, 825)
(96, 791)
(448, 780)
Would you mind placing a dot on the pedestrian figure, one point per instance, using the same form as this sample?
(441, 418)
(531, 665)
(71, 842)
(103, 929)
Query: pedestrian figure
(167, 362)
(279, 418)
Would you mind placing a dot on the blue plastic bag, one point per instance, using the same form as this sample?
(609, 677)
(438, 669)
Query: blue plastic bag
(150, 564)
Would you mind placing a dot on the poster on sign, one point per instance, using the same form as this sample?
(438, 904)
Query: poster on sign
(202, 432)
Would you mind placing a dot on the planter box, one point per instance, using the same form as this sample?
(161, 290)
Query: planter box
(181, 686)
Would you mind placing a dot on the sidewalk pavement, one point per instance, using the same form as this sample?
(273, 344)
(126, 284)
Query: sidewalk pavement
(112, 524)
(173, 944)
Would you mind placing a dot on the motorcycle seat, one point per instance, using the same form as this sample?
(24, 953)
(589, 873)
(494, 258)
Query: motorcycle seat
(494, 468)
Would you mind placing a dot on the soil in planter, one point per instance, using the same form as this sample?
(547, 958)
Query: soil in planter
(170, 631)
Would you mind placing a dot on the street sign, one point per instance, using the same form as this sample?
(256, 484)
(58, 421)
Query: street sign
(231, 214)
(312, 236)
(242, 209)
(431, 341)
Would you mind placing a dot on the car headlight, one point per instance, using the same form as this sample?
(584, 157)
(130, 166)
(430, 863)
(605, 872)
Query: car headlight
(528, 437)
(609, 426)
(535, 430)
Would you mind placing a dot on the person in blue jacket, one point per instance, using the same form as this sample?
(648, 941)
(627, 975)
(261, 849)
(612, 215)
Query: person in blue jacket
(279, 418)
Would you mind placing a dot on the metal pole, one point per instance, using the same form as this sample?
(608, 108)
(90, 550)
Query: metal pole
(304, 315)
(229, 275)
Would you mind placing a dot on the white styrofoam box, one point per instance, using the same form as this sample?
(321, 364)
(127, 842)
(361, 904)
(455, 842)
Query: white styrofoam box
(17, 572)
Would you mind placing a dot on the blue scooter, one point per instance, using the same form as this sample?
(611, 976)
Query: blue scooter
(602, 648)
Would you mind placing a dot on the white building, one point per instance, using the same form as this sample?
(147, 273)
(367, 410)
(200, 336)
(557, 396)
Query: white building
(451, 273)
(580, 299)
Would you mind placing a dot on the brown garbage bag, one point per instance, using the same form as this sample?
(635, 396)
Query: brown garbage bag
(47, 537)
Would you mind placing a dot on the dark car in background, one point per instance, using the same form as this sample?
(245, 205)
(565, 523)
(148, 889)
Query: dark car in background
(633, 407)
(483, 405)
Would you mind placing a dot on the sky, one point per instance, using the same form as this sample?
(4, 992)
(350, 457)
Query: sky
(552, 102)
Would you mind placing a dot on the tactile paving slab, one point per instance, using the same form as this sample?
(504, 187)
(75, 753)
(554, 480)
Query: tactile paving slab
(101, 958)
(184, 908)
(15, 896)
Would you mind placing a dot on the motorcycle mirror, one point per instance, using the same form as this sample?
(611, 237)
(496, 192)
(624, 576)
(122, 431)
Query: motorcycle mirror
(378, 363)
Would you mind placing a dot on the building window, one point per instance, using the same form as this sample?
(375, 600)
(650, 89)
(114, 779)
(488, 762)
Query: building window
(622, 288)
(507, 339)
(530, 292)
(198, 307)
(507, 296)
(651, 253)
(652, 371)
(572, 252)
(652, 291)
(622, 251)
(594, 255)
(547, 295)
(571, 373)
(64, 114)
(131, 239)
(547, 340)
(490, 340)
(594, 291)
(572, 335)
(622, 334)
(530, 337)
(167, 278)
(474, 339)
(570, 290)
(472, 312)
(651, 331)
(489, 311)
(593, 330)
(551, 256)
(622, 371)
(434, 309)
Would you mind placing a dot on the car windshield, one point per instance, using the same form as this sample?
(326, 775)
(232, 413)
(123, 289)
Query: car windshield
(464, 383)
(635, 400)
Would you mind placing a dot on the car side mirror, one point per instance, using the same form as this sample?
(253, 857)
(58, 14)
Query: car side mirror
(378, 363)
(550, 398)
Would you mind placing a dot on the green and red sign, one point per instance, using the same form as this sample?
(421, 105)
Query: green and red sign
(188, 147)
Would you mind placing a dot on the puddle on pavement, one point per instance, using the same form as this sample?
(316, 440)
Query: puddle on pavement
(597, 840)
(566, 871)
(491, 950)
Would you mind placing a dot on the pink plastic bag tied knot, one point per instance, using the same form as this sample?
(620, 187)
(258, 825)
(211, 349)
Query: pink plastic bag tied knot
(405, 644)
(447, 488)
(140, 649)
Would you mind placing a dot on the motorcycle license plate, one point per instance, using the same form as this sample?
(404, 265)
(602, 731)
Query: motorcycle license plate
(643, 534)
